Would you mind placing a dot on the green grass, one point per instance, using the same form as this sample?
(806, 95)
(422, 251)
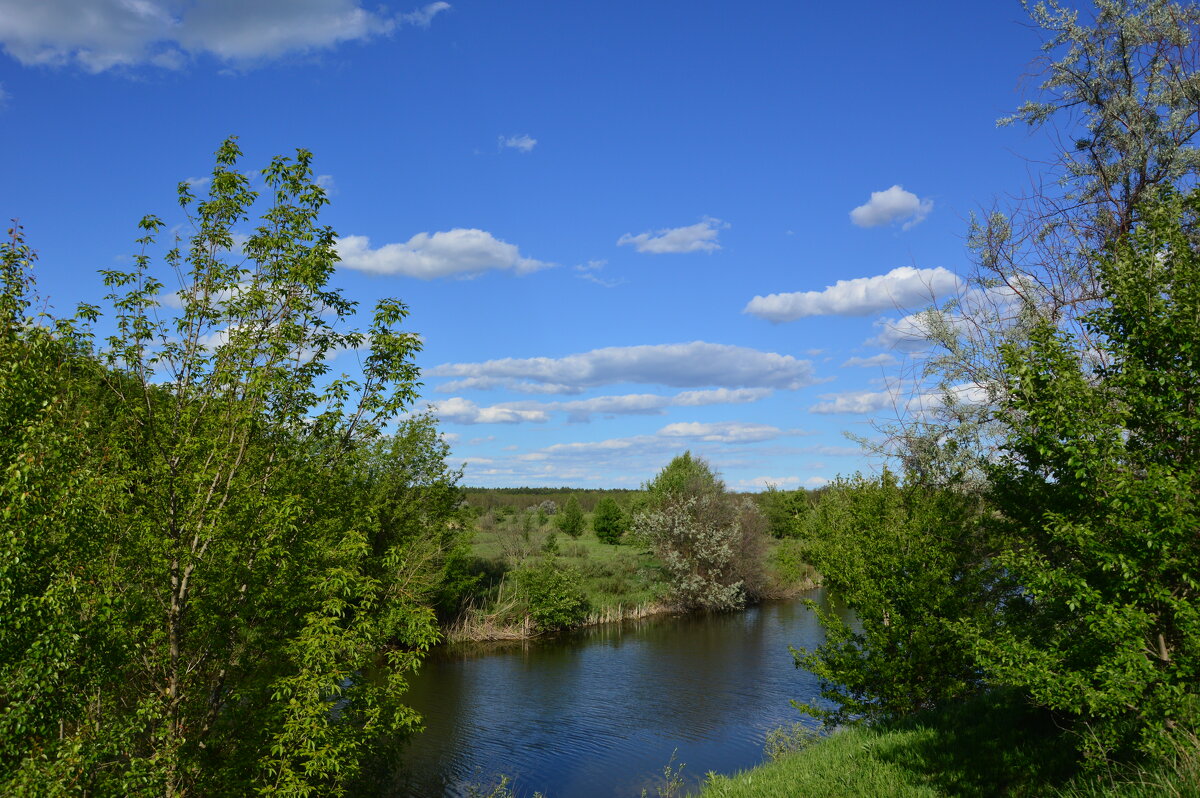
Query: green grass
(611, 575)
(990, 746)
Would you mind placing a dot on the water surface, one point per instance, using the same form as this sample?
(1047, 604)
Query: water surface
(599, 712)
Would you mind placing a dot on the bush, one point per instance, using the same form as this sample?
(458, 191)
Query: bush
(710, 544)
(552, 595)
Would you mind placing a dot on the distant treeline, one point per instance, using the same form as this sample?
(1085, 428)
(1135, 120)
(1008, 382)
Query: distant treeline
(485, 499)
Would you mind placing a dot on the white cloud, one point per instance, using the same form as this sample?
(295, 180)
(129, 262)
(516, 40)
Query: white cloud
(423, 16)
(102, 34)
(589, 271)
(699, 237)
(4, 97)
(488, 383)
(582, 410)
(454, 252)
(885, 359)
(463, 411)
(855, 402)
(865, 402)
(892, 205)
(524, 142)
(690, 365)
(901, 287)
(722, 432)
(907, 334)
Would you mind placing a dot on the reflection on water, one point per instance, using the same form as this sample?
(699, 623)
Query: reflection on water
(598, 713)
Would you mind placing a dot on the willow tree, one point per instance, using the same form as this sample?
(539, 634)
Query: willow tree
(227, 547)
(1120, 96)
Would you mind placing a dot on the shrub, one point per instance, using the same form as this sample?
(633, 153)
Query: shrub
(552, 595)
(710, 544)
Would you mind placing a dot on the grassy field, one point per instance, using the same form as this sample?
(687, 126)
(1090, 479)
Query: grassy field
(611, 575)
(991, 746)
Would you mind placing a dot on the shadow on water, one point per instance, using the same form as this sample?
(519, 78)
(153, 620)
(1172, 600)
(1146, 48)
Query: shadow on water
(599, 712)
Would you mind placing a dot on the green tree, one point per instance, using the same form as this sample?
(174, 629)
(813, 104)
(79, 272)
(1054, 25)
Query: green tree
(785, 510)
(1098, 494)
(570, 521)
(1119, 93)
(711, 544)
(608, 521)
(217, 538)
(907, 560)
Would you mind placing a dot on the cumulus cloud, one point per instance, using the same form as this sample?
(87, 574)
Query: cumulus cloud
(691, 365)
(865, 402)
(102, 34)
(854, 402)
(722, 432)
(583, 410)
(885, 359)
(524, 142)
(428, 256)
(463, 411)
(892, 205)
(861, 296)
(699, 237)
(906, 334)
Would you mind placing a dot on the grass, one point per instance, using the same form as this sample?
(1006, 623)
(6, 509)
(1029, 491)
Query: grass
(612, 576)
(991, 746)
(621, 582)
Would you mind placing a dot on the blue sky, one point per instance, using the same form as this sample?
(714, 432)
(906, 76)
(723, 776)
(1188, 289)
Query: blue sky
(624, 229)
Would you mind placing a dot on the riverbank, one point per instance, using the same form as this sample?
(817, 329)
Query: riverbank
(619, 581)
(990, 746)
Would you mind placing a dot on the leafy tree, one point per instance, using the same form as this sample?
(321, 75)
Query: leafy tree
(906, 559)
(570, 521)
(608, 521)
(208, 537)
(1098, 493)
(784, 510)
(711, 545)
(1119, 93)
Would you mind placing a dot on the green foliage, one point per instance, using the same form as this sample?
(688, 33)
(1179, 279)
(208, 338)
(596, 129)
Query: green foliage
(570, 521)
(785, 511)
(553, 597)
(909, 562)
(609, 522)
(711, 544)
(1098, 492)
(206, 537)
(790, 564)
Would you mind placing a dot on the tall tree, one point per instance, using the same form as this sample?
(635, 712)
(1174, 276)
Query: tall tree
(248, 539)
(1098, 498)
(570, 520)
(1121, 90)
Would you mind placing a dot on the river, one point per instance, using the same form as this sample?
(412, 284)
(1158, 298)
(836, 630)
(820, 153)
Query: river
(598, 713)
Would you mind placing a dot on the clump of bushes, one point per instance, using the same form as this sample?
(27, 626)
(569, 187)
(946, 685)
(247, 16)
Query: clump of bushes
(553, 597)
